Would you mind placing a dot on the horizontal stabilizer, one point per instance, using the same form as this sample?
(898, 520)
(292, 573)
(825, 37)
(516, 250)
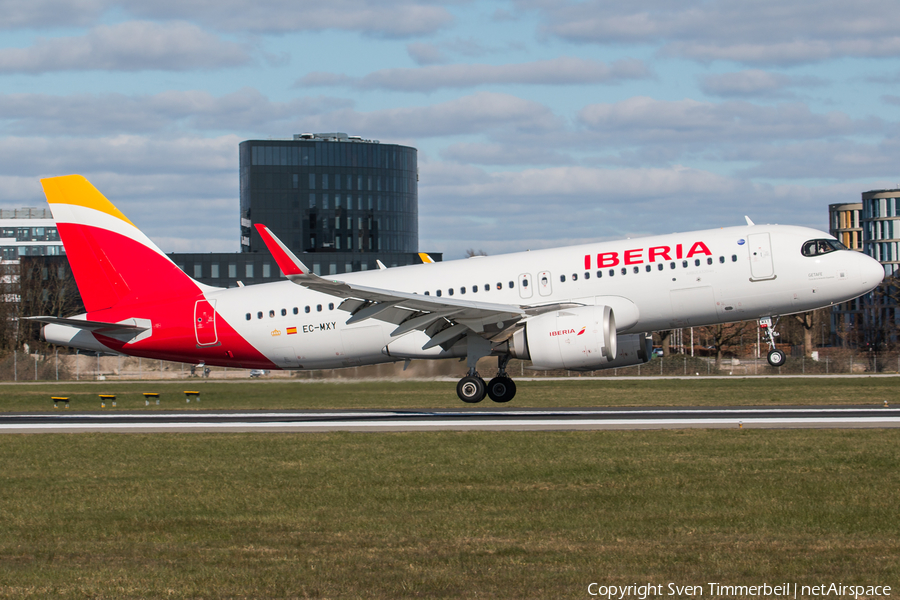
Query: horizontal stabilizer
(128, 326)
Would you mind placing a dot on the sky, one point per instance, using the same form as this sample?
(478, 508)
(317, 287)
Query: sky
(539, 123)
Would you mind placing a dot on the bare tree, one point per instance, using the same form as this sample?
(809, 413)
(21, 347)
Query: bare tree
(473, 252)
(724, 335)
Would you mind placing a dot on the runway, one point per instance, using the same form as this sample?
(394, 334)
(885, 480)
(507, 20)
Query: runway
(495, 419)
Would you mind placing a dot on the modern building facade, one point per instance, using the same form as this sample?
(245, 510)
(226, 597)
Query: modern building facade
(339, 202)
(28, 232)
(344, 200)
(880, 221)
(844, 223)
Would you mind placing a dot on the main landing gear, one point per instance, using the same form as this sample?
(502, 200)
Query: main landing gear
(472, 388)
(775, 356)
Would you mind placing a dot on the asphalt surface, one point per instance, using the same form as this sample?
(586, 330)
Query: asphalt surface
(492, 419)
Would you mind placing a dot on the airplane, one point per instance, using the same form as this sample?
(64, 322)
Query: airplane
(583, 308)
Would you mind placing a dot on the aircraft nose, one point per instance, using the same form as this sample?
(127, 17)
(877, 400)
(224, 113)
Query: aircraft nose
(871, 272)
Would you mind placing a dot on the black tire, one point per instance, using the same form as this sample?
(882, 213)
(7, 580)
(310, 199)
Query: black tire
(501, 389)
(471, 389)
(776, 358)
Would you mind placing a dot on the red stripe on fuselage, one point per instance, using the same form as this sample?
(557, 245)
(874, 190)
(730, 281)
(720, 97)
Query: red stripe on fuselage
(105, 263)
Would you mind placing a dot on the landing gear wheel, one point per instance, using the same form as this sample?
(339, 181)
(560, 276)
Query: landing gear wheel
(501, 389)
(776, 358)
(471, 389)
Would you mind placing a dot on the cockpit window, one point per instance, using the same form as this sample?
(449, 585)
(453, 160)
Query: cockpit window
(819, 247)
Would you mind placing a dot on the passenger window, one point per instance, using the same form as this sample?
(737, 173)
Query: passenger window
(296, 310)
(438, 293)
(599, 274)
(450, 292)
(427, 293)
(307, 309)
(709, 260)
(248, 316)
(647, 268)
(684, 264)
(722, 259)
(271, 314)
(318, 307)
(259, 315)
(499, 286)
(734, 258)
(462, 290)
(671, 265)
(574, 276)
(587, 275)
(624, 271)
(331, 306)
(475, 287)
(512, 285)
(659, 267)
(612, 272)
(696, 262)
(283, 312)
(487, 287)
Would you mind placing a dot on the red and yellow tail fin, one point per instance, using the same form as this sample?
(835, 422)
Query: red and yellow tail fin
(114, 263)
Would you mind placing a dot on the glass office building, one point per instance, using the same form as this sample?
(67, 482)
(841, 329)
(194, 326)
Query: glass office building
(339, 202)
(342, 200)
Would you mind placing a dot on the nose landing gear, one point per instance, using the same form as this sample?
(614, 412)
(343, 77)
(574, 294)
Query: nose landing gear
(775, 356)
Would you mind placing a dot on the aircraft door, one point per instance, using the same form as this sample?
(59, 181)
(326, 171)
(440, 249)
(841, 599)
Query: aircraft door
(761, 264)
(544, 286)
(205, 323)
(525, 287)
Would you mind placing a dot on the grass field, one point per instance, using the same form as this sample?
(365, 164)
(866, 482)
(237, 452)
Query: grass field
(442, 394)
(443, 514)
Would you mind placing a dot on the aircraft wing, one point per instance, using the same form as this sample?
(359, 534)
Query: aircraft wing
(444, 320)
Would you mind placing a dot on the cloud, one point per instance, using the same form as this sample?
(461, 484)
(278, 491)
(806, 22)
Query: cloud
(504, 154)
(103, 114)
(425, 54)
(559, 71)
(131, 46)
(474, 114)
(768, 32)
(752, 83)
(383, 18)
(645, 120)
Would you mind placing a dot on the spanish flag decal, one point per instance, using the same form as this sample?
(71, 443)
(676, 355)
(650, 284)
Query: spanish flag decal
(291, 330)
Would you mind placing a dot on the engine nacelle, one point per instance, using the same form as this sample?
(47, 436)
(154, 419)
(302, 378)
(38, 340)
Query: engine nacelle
(633, 349)
(582, 338)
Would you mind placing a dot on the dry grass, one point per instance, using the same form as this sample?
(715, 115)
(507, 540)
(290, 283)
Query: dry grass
(442, 515)
(441, 394)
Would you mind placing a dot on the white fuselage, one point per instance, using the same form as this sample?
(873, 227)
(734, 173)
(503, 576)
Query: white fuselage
(663, 282)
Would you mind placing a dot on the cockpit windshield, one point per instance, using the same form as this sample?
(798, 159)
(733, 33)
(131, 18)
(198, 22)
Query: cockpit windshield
(819, 247)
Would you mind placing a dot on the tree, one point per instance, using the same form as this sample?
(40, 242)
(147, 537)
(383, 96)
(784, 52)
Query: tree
(473, 252)
(725, 334)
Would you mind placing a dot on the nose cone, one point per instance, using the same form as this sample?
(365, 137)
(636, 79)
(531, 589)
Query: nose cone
(871, 272)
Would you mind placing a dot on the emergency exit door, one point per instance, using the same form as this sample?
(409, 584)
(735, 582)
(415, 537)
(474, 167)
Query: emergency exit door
(205, 323)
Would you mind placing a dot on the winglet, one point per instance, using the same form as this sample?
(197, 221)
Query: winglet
(749, 222)
(425, 258)
(287, 261)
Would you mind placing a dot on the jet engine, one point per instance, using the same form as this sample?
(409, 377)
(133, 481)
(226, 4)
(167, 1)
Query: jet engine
(581, 338)
(634, 349)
